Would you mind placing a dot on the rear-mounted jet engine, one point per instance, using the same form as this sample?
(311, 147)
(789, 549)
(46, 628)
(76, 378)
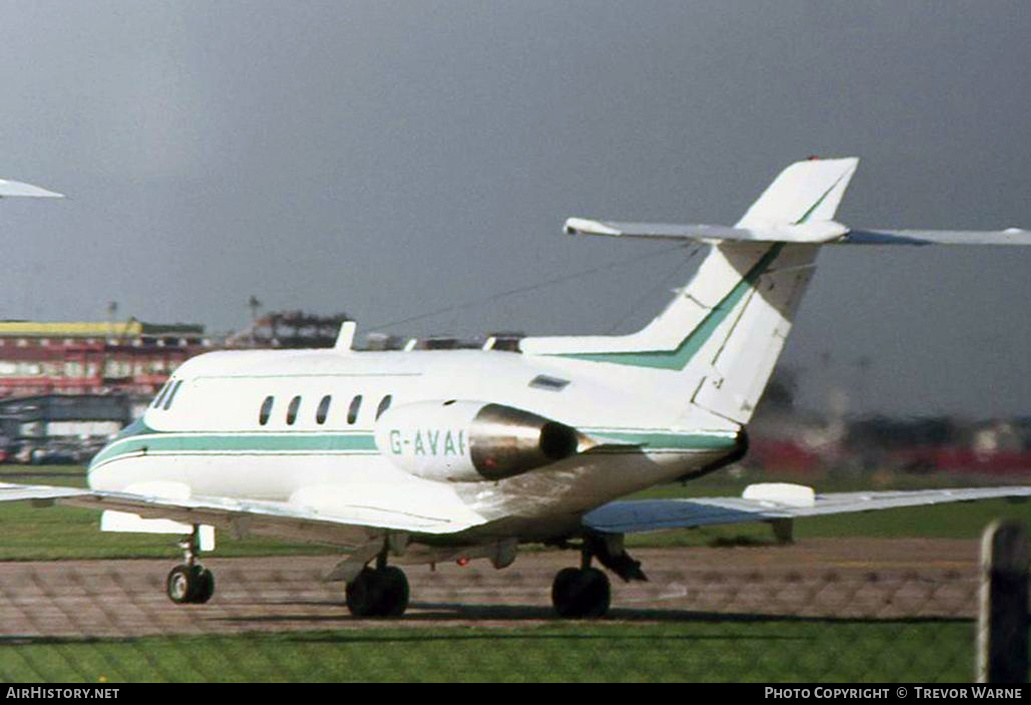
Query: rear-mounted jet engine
(472, 441)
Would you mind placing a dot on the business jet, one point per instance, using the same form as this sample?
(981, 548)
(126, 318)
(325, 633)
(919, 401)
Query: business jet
(426, 456)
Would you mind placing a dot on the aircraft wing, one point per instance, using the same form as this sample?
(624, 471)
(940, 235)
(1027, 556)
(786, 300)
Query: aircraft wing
(319, 515)
(770, 502)
(17, 188)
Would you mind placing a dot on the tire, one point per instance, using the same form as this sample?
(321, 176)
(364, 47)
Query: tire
(562, 591)
(578, 594)
(205, 585)
(190, 584)
(378, 593)
(362, 594)
(597, 593)
(180, 585)
(394, 592)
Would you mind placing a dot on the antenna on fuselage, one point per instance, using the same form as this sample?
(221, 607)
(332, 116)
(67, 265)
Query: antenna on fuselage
(346, 336)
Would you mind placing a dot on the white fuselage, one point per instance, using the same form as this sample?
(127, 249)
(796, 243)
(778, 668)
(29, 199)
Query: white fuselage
(211, 440)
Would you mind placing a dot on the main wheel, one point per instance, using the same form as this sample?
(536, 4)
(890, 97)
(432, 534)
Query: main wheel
(394, 595)
(378, 593)
(205, 586)
(362, 595)
(190, 584)
(578, 593)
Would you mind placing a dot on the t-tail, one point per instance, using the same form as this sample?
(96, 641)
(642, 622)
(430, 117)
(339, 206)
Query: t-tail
(716, 343)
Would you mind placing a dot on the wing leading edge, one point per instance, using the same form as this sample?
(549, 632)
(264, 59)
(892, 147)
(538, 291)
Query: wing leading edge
(318, 517)
(757, 506)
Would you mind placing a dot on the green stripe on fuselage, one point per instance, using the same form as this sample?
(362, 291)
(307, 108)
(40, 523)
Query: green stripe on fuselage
(668, 441)
(678, 358)
(170, 443)
(236, 443)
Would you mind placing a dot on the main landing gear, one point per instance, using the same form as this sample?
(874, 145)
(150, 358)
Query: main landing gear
(190, 582)
(579, 593)
(378, 592)
(585, 592)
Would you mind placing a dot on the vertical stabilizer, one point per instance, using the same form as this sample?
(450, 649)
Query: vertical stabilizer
(717, 341)
(805, 192)
(736, 371)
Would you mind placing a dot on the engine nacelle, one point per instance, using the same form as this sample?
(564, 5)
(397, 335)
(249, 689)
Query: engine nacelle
(471, 441)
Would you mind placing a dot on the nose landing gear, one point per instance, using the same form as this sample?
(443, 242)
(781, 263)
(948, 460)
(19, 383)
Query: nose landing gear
(579, 593)
(190, 582)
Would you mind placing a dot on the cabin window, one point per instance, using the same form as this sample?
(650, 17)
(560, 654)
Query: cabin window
(323, 411)
(291, 410)
(383, 406)
(161, 395)
(171, 395)
(266, 410)
(352, 411)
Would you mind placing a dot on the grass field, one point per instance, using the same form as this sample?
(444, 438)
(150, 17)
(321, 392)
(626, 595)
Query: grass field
(55, 533)
(704, 647)
(962, 520)
(754, 650)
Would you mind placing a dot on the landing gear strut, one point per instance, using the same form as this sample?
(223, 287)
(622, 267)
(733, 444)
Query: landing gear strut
(378, 592)
(190, 582)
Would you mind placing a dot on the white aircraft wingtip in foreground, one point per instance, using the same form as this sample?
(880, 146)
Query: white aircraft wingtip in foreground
(426, 456)
(17, 188)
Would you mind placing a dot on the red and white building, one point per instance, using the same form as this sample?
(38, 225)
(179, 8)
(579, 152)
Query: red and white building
(127, 357)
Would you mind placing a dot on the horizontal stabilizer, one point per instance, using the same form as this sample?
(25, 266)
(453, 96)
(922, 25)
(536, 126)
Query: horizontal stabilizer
(815, 232)
(1010, 236)
(767, 503)
(809, 232)
(799, 207)
(17, 188)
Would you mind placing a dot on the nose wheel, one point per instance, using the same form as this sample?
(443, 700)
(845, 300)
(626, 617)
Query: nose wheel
(190, 582)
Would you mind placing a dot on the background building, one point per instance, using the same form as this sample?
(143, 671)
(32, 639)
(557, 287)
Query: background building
(66, 387)
(127, 357)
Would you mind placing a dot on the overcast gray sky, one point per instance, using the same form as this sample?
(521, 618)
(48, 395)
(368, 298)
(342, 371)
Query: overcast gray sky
(393, 158)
